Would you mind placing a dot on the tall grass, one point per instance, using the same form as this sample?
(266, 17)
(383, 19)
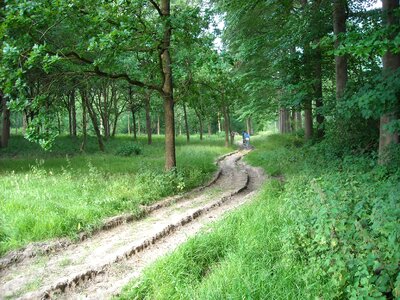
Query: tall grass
(330, 230)
(62, 193)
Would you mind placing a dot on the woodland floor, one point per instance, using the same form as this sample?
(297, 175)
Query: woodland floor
(99, 266)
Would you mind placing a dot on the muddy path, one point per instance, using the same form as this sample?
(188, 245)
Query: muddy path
(99, 266)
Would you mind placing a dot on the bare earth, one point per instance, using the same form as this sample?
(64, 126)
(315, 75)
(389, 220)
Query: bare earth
(98, 267)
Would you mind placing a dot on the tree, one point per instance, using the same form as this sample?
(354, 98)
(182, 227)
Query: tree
(391, 64)
(339, 29)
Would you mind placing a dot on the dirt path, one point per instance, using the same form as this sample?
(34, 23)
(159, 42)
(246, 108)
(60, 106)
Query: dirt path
(101, 265)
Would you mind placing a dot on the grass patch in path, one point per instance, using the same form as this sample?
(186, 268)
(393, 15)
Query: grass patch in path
(244, 257)
(49, 195)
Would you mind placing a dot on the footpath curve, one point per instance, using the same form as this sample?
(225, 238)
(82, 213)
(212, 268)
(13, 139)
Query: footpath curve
(100, 265)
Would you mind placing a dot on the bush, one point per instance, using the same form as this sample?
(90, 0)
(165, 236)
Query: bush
(128, 150)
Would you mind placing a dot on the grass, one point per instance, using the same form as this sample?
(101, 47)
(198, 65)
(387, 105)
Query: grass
(61, 193)
(242, 258)
(329, 231)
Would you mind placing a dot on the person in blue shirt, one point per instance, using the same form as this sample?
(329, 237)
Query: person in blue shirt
(246, 139)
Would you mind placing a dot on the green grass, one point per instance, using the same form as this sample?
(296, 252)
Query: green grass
(329, 231)
(244, 257)
(54, 194)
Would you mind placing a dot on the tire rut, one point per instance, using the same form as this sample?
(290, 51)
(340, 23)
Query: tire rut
(99, 266)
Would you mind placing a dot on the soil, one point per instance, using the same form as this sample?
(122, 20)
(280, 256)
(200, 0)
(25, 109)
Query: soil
(100, 265)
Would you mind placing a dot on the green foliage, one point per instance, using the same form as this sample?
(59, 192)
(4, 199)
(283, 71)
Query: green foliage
(128, 150)
(374, 98)
(330, 230)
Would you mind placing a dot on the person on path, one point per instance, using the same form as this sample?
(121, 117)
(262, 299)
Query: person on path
(246, 138)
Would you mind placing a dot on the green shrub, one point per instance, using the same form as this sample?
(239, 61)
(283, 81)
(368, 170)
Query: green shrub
(128, 150)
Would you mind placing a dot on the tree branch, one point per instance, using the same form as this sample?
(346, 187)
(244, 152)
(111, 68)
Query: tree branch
(156, 7)
(100, 73)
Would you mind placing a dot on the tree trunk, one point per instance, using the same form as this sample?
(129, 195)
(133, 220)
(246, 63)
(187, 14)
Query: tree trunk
(69, 114)
(73, 113)
(58, 122)
(148, 117)
(6, 123)
(129, 125)
(139, 127)
(318, 92)
(134, 124)
(24, 123)
(186, 123)
(248, 125)
(219, 123)
(158, 124)
(284, 121)
(167, 88)
(308, 120)
(198, 114)
(93, 117)
(226, 124)
(209, 128)
(299, 121)
(391, 63)
(114, 129)
(84, 124)
(339, 27)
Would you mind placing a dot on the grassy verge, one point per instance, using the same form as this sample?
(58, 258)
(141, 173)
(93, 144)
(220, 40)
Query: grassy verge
(61, 193)
(331, 231)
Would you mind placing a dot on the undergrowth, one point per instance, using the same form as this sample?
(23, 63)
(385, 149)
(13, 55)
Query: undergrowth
(59, 195)
(331, 230)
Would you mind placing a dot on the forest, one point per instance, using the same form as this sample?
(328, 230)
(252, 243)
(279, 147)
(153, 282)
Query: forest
(111, 108)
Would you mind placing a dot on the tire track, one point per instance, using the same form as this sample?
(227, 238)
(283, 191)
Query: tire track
(99, 266)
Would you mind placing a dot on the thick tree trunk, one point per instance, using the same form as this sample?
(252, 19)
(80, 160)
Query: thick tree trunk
(284, 120)
(391, 63)
(292, 120)
(170, 156)
(318, 92)
(339, 27)
(299, 121)
(219, 123)
(167, 88)
(308, 120)
(186, 123)
(6, 123)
